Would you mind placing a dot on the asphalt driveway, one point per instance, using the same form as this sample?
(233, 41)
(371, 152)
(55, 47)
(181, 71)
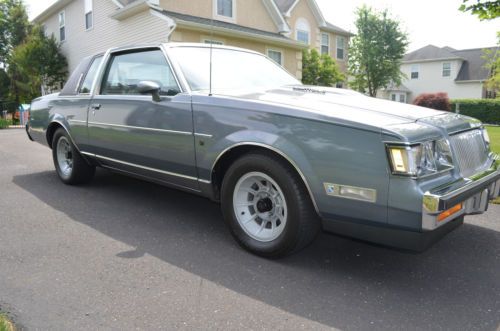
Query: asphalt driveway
(124, 254)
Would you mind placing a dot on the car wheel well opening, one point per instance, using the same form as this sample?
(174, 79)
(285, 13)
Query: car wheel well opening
(230, 156)
(51, 130)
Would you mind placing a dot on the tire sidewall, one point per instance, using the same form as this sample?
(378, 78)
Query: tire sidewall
(57, 136)
(279, 174)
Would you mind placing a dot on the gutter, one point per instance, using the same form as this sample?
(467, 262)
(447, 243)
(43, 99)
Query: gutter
(230, 32)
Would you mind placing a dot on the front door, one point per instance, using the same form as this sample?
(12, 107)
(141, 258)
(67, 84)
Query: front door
(131, 132)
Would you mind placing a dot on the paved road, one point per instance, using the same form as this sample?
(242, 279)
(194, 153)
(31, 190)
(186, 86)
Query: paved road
(123, 254)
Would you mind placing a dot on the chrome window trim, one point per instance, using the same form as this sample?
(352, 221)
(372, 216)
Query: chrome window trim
(294, 165)
(185, 133)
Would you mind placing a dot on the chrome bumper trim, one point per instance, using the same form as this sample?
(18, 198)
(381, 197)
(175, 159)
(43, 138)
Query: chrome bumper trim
(473, 192)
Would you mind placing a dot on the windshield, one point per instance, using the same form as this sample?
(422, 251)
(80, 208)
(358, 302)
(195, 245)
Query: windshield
(231, 69)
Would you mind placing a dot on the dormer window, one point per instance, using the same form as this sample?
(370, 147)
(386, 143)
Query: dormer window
(303, 31)
(225, 8)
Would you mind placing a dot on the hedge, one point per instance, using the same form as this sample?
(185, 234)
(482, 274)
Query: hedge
(485, 110)
(4, 124)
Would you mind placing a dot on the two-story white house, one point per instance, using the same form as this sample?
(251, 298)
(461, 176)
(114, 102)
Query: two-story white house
(431, 69)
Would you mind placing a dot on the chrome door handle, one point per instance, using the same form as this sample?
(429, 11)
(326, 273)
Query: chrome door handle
(94, 107)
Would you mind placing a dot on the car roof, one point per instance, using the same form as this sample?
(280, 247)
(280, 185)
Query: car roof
(179, 44)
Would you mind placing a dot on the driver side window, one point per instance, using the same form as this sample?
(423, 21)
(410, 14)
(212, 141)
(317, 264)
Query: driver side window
(126, 70)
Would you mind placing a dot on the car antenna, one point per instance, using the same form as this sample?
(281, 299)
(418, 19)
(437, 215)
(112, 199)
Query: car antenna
(211, 51)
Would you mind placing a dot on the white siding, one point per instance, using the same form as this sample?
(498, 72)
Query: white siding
(106, 32)
(431, 80)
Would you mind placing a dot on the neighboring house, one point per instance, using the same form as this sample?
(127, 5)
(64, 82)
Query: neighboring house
(399, 93)
(431, 69)
(279, 28)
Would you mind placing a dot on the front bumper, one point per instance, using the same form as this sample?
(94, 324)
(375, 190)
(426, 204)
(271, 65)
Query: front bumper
(463, 197)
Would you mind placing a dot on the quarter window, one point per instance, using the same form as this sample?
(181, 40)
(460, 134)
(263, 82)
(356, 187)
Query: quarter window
(276, 56)
(340, 47)
(325, 43)
(62, 26)
(446, 69)
(225, 8)
(126, 70)
(89, 17)
(89, 78)
(414, 71)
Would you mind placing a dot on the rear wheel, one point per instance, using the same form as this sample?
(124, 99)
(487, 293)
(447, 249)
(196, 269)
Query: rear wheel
(266, 206)
(70, 166)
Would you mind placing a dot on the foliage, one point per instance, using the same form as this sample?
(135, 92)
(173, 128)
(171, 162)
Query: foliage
(494, 133)
(376, 51)
(320, 70)
(492, 57)
(5, 324)
(486, 110)
(14, 26)
(485, 10)
(4, 123)
(438, 101)
(38, 61)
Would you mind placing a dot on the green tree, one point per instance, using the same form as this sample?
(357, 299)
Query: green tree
(492, 57)
(38, 63)
(14, 26)
(320, 70)
(376, 51)
(485, 10)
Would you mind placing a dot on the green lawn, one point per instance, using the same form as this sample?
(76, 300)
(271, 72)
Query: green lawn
(5, 324)
(494, 133)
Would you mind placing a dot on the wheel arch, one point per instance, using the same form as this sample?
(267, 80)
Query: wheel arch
(51, 130)
(232, 153)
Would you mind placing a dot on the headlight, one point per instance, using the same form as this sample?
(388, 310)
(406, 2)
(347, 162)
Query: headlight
(420, 159)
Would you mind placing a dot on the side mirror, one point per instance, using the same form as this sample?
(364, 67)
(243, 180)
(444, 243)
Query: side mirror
(149, 87)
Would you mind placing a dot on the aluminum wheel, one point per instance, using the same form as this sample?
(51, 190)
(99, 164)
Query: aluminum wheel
(64, 156)
(260, 206)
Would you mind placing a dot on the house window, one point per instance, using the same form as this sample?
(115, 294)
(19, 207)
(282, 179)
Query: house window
(225, 8)
(276, 56)
(303, 30)
(340, 47)
(325, 43)
(339, 85)
(89, 17)
(393, 97)
(62, 26)
(414, 71)
(447, 69)
(402, 98)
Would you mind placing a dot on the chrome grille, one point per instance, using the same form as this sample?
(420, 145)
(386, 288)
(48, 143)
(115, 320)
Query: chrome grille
(470, 152)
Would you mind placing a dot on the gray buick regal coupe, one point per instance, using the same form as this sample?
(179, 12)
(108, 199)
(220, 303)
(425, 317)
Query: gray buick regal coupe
(284, 160)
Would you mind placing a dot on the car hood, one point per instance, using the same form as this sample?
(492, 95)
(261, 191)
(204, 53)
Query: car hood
(355, 109)
(340, 104)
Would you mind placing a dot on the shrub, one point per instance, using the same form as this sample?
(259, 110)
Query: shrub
(4, 123)
(438, 101)
(485, 110)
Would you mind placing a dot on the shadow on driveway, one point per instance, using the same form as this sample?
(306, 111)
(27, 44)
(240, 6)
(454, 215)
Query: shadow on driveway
(339, 282)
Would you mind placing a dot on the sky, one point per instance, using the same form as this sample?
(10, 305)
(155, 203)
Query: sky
(436, 22)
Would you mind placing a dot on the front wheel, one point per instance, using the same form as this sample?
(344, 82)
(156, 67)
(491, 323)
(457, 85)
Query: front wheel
(70, 166)
(266, 206)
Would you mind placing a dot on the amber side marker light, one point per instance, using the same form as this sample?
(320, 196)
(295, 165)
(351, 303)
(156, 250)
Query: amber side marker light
(447, 213)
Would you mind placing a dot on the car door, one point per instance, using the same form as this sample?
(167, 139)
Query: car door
(131, 132)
